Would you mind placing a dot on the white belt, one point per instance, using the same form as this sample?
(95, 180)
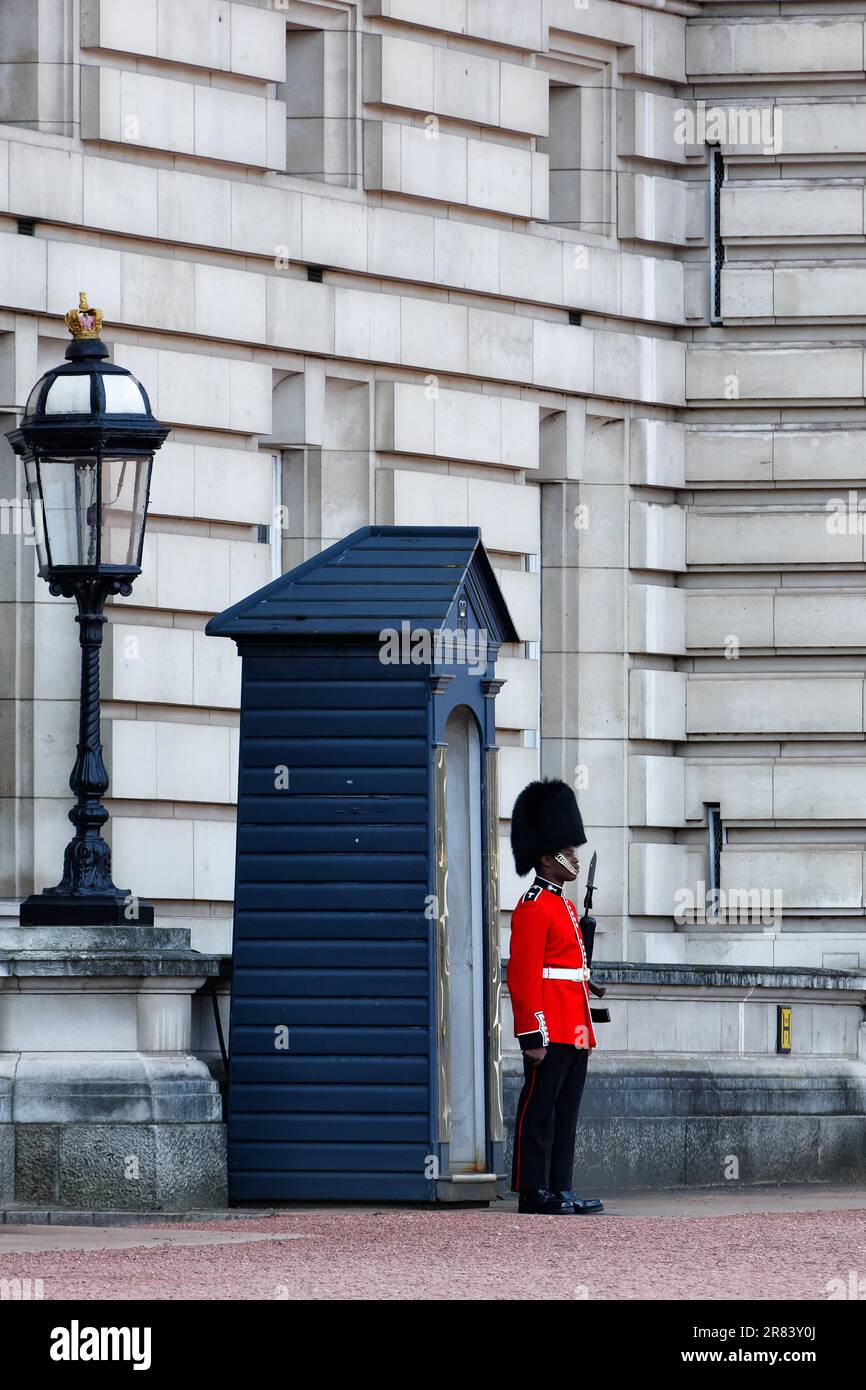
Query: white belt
(558, 972)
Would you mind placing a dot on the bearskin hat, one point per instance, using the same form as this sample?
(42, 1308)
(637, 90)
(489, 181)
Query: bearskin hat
(545, 820)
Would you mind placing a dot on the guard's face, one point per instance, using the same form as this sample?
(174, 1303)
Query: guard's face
(567, 860)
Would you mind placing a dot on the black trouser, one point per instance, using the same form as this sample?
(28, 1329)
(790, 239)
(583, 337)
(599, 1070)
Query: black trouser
(544, 1130)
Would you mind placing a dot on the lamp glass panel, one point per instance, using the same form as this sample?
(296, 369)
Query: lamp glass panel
(123, 395)
(68, 395)
(37, 517)
(124, 504)
(71, 511)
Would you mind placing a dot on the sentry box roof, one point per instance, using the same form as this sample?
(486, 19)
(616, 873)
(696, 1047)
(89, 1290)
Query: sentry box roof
(378, 577)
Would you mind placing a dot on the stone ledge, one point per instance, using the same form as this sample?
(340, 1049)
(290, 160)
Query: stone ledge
(728, 976)
(47, 940)
(114, 963)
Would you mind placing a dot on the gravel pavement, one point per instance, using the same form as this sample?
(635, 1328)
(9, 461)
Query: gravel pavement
(780, 1245)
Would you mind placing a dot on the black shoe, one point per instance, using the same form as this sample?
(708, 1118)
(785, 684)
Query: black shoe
(581, 1206)
(540, 1202)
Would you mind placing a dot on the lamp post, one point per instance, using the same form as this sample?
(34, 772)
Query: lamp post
(87, 440)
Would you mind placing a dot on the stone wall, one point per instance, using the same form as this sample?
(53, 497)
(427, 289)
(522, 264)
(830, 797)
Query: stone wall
(405, 262)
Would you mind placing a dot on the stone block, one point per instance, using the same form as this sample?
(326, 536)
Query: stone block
(657, 618)
(148, 664)
(741, 455)
(257, 42)
(657, 704)
(657, 872)
(742, 790)
(366, 326)
(429, 499)
(507, 514)
(433, 335)
(158, 293)
(523, 99)
(130, 747)
(791, 210)
(119, 196)
(45, 182)
(517, 702)
(817, 877)
(191, 1164)
(601, 614)
(37, 1177)
(195, 32)
(517, 767)
(213, 860)
(656, 791)
(500, 177)
(593, 277)
(656, 453)
(466, 86)
(520, 589)
(503, 345)
(653, 208)
(719, 373)
(156, 855)
(764, 537)
(530, 268)
(216, 672)
(731, 620)
(657, 537)
(333, 233)
(401, 244)
(466, 256)
(23, 272)
(775, 704)
(647, 127)
(230, 297)
(264, 220)
(194, 208)
(562, 356)
(70, 264)
(816, 789)
(726, 48)
(599, 696)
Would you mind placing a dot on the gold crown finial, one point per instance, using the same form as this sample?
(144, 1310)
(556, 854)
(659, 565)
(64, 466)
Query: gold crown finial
(84, 322)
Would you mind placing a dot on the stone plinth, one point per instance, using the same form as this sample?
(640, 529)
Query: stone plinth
(102, 1104)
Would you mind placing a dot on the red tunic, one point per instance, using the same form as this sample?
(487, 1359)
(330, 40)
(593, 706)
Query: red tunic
(545, 934)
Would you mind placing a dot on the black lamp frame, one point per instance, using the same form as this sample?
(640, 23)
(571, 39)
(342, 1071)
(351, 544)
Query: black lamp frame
(87, 894)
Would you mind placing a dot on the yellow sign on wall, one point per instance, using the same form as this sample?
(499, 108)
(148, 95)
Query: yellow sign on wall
(783, 1031)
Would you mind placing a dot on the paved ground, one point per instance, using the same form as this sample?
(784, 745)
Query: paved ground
(788, 1243)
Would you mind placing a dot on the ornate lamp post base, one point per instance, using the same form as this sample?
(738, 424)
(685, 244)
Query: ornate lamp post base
(53, 908)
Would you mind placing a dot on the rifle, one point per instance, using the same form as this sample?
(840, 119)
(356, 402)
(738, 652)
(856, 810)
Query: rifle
(588, 925)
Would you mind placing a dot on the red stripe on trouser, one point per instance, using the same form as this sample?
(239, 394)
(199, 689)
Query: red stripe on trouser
(520, 1128)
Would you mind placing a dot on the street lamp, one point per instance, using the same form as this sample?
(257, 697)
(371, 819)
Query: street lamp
(87, 440)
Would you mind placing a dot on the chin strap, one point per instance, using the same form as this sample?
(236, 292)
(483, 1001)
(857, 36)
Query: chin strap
(561, 859)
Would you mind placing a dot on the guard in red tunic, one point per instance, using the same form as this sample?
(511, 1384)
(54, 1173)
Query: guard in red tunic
(548, 980)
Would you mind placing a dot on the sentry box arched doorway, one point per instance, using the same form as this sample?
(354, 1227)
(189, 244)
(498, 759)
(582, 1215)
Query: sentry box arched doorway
(364, 1054)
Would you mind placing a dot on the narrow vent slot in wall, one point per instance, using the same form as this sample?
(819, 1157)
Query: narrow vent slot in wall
(717, 246)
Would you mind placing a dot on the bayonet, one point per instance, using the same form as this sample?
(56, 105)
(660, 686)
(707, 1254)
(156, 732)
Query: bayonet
(590, 883)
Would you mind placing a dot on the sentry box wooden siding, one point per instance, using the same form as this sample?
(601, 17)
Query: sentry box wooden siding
(365, 1036)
